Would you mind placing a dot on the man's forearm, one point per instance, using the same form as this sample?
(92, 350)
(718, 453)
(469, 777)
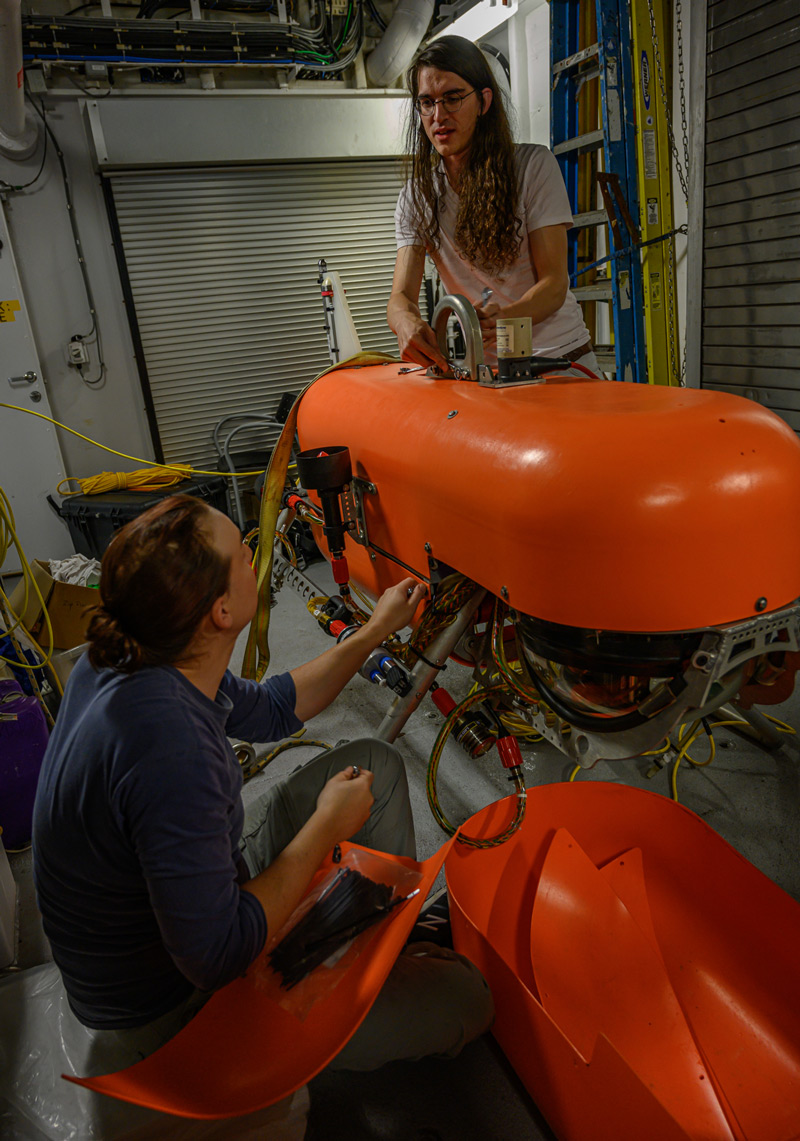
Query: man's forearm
(540, 302)
(400, 307)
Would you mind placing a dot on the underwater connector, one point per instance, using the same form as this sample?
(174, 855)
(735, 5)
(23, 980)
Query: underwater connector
(382, 669)
(473, 730)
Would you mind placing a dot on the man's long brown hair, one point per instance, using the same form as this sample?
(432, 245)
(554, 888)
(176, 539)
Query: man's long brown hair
(487, 231)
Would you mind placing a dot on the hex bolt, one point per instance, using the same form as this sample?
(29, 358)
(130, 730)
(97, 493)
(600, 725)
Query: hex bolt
(504, 591)
(428, 548)
(450, 415)
(761, 604)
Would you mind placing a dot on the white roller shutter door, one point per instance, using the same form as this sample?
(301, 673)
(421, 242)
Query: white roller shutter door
(751, 241)
(222, 268)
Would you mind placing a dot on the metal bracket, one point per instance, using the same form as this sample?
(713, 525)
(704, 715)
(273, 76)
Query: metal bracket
(464, 312)
(353, 508)
(489, 379)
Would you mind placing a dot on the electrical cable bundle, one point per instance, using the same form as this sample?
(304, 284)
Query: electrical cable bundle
(351, 904)
(145, 40)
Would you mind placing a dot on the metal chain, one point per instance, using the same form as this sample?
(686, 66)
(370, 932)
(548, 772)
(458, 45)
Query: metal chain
(679, 372)
(682, 83)
(665, 100)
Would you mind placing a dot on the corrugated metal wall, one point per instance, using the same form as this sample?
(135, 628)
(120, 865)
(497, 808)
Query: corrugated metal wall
(222, 265)
(751, 255)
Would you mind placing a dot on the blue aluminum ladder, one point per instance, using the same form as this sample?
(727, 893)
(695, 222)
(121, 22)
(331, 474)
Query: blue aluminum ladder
(573, 68)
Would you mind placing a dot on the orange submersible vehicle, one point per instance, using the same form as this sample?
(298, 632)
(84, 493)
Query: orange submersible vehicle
(609, 561)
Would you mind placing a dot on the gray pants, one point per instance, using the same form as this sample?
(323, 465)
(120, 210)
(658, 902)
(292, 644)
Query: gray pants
(434, 1000)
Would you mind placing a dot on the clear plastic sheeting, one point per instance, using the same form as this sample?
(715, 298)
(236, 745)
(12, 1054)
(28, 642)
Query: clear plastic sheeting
(40, 1039)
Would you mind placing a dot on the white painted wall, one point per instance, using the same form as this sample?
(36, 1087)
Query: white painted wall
(56, 300)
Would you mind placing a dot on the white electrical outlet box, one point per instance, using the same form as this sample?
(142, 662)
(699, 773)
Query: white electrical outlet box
(77, 353)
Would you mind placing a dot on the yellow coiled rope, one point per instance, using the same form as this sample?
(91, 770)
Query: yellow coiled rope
(144, 479)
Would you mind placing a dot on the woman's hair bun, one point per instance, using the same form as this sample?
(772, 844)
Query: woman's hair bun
(109, 646)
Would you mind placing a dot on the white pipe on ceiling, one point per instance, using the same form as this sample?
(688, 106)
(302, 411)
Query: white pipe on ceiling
(18, 132)
(400, 41)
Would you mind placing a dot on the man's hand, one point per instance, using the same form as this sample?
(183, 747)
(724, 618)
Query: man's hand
(487, 315)
(395, 608)
(345, 803)
(417, 342)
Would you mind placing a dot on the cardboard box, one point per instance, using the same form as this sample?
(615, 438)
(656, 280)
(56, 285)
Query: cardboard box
(66, 605)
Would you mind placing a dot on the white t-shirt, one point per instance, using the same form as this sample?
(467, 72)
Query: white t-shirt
(543, 201)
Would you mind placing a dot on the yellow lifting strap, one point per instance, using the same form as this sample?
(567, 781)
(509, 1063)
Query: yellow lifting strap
(256, 655)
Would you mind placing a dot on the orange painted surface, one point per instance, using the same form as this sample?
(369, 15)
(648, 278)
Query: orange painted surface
(244, 1050)
(602, 505)
(644, 972)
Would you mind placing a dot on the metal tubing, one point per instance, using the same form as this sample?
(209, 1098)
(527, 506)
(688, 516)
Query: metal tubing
(17, 135)
(423, 674)
(765, 733)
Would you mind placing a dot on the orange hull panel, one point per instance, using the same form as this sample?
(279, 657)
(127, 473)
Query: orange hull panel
(595, 504)
(644, 973)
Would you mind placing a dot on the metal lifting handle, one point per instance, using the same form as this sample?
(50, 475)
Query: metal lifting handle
(464, 313)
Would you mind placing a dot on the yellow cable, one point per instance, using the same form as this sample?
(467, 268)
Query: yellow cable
(9, 538)
(145, 479)
(137, 459)
(685, 743)
(574, 772)
(782, 726)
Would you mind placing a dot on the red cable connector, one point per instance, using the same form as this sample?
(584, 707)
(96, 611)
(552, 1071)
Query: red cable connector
(340, 571)
(443, 701)
(510, 755)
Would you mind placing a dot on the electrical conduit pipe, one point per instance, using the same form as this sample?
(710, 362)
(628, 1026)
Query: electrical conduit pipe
(17, 136)
(400, 41)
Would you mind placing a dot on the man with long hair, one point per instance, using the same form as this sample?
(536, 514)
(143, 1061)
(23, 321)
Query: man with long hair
(493, 216)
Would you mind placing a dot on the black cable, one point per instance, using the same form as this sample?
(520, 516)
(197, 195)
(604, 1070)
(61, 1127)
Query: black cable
(379, 20)
(94, 382)
(97, 4)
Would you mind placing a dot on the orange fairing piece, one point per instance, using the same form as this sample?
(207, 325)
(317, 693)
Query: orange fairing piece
(595, 504)
(244, 1050)
(645, 974)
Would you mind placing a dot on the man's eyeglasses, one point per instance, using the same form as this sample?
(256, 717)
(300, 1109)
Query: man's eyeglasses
(451, 103)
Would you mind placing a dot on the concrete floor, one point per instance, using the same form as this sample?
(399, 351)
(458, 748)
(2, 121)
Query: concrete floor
(748, 795)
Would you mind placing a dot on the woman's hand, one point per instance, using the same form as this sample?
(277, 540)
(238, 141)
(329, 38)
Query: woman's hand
(395, 608)
(345, 802)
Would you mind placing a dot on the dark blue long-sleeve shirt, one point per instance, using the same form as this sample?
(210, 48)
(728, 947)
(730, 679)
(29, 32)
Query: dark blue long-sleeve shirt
(137, 821)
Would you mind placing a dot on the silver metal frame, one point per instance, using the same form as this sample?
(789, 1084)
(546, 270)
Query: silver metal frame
(713, 678)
